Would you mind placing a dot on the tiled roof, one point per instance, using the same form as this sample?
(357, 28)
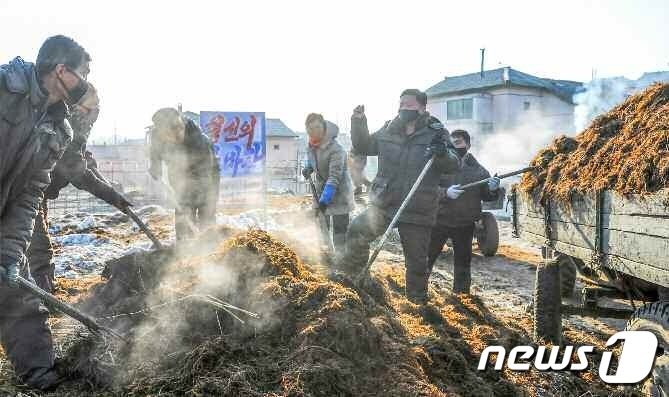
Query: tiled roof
(501, 77)
(277, 128)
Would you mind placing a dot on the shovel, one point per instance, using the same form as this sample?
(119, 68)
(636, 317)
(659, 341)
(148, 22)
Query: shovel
(485, 181)
(68, 310)
(172, 196)
(322, 223)
(396, 218)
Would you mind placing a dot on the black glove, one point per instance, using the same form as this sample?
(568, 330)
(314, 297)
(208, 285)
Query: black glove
(9, 274)
(322, 207)
(307, 171)
(120, 201)
(437, 147)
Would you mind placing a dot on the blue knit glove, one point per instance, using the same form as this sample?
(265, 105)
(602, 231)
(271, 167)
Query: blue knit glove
(328, 193)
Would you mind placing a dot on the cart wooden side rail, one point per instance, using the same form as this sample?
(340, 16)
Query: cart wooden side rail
(627, 234)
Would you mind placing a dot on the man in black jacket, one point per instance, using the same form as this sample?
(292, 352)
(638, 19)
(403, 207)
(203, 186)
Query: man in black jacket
(71, 168)
(459, 209)
(33, 136)
(403, 146)
(192, 167)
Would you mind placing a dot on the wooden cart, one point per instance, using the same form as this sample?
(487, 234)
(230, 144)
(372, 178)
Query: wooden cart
(620, 243)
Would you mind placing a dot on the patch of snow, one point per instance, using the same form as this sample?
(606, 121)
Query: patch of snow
(78, 239)
(249, 219)
(87, 223)
(152, 209)
(81, 254)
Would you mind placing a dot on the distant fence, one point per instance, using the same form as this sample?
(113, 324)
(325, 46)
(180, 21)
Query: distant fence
(133, 180)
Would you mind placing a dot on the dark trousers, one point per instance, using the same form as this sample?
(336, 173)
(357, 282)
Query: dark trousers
(371, 224)
(201, 217)
(24, 332)
(40, 251)
(339, 228)
(462, 238)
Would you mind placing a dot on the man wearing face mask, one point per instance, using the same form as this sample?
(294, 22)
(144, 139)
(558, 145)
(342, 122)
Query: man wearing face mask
(459, 209)
(192, 168)
(403, 146)
(71, 168)
(33, 136)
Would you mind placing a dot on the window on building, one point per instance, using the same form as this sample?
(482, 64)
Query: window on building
(276, 147)
(526, 105)
(459, 109)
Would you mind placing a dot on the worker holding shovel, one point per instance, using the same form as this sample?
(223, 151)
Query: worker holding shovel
(414, 144)
(72, 169)
(459, 209)
(327, 167)
(34, 136)
(193, 169)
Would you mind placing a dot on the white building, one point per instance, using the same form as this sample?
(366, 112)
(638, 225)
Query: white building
(503, 100)
(282, 145)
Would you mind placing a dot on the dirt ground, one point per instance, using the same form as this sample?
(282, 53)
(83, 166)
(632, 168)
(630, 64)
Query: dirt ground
(503, 283)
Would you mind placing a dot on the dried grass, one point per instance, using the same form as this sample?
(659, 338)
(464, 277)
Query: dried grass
(625, 150)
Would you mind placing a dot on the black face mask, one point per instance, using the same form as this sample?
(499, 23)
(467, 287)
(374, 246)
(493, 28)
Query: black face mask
(77, 92)
(408, 115)
(461, 151)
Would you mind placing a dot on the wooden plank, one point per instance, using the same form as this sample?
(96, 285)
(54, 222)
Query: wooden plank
(570, 233)
(623, 265)
(641, 248)
(640, 224)
(582, 208)
(577, 252)
(638, 270)
(656, 204)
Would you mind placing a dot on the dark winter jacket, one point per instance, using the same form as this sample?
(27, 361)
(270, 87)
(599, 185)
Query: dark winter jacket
(72, 168)
(401, 159)
(330, 166)
(192, 168)
(32, 138)
(466, 209)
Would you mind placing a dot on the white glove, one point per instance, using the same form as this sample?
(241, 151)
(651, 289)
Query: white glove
(493, 183)
(454, 192)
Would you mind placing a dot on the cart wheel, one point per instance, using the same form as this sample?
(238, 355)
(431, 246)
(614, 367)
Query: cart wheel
(654, 317)
(567, 275)
(547, 302)
(488, 238)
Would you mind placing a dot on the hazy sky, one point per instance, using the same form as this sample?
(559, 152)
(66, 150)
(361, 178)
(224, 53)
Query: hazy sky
(289, 58)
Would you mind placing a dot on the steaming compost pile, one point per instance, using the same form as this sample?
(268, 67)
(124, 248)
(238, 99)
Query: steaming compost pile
(625, 150)
(193, 331)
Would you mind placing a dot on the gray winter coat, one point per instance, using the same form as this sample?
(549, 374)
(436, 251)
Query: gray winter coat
(466, 209)
(192, 167)
(27, 153)
(401, 160)
(330, 166)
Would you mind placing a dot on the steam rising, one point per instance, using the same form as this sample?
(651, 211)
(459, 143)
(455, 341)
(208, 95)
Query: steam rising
(512, 149)
(507, 150)
(601, 95)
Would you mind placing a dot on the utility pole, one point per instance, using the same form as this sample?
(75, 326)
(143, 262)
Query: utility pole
(482, 60)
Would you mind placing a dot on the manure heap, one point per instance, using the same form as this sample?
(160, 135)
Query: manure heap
(313, 336)
(625, 150)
